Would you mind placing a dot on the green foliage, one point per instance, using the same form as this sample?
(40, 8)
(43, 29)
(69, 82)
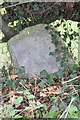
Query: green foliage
(30, 97)
(69, 34)
(24, 85)
(73, 112)
(51, 114)
(42, 84)
(26, 92)
(18, 100)
(7, 84)
(43, 74)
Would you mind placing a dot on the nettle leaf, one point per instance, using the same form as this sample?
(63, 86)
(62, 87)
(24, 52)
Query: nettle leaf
(42, 84)
(43, 74)
(18, 100)
(31, 97)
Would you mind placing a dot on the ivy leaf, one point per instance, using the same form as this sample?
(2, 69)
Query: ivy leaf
(11, 83)
(23, 81)
(42, 84)
(52, 53)
(22, 69)
(60, 73)
(4, 71)
(50, 82)
(71, 37)
(32, 81)
(47, 27)
(50, 76)
(43, 74)
(26, 75)
(75, 33)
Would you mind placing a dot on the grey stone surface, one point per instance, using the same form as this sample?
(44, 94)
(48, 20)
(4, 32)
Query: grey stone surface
(31, 47)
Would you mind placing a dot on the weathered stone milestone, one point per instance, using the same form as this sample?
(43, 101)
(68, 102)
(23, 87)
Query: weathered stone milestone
(31, 48)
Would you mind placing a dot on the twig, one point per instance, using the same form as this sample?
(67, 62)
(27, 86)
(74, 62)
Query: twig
(48, 8)
(71, 79)
(22, 85)
(39, 79)
(29, 108)
(19, 3)
(74, 89)
(61, 101)
(35, 86)
(67, 109)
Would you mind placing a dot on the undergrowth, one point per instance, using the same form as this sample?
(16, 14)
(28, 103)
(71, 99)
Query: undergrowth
(54, 95)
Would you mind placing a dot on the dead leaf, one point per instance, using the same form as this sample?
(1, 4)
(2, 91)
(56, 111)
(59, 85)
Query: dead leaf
(11, 93)
(50, 91)
(13, 77)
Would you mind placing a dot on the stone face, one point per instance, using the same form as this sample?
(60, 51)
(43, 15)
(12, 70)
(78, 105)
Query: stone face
(31, 47)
